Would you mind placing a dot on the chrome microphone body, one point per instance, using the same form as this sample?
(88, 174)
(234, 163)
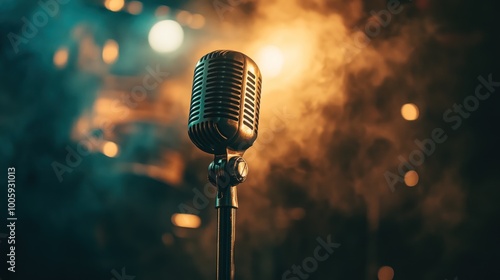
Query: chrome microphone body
(225, 102)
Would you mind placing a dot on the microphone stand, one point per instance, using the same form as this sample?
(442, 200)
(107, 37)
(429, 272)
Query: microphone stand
(225, 172)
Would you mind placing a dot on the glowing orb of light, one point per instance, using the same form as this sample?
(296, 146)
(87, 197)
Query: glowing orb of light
(409, 112)
(411, 178)
(166, 36)
(385, 273)
(134, 7)
(61, 57)
(110, 149)
(114, 5)
(270, 61)
(186, 220)
(110, 51)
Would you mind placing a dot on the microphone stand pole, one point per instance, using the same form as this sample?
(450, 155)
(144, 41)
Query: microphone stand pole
(225, 172)
(226, 220)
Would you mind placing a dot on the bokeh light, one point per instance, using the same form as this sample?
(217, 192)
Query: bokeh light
(166, 36)
(184, 17)
(114, 5)
(162, 11)
(385, 273)
(110, 51)
(197, 21)
(270, 60)
(134, 7)
(186, 220)
(411, 178)
(61, 57)
(110, 149)
(410, 112)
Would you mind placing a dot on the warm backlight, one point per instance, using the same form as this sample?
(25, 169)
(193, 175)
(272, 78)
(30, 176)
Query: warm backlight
(114, 5)
(409, 112)
(110, 51)
(186, 220)
(411, 178)
(110, 149)
(270, 60)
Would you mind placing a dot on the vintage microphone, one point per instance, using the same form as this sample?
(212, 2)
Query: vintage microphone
(223, 120)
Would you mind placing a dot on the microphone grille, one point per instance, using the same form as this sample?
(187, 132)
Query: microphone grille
(222, 83)
(252, 101)
(194, 110)
(223, 89)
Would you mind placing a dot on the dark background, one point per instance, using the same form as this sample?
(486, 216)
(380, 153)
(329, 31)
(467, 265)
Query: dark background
(322, 172)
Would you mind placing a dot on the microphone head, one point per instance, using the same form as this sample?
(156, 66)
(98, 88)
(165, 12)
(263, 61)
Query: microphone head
(225, 102)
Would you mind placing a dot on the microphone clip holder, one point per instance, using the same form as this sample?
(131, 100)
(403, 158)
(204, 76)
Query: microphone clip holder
(226, 172)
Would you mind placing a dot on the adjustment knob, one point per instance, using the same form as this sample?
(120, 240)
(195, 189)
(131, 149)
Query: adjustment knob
(237, 169)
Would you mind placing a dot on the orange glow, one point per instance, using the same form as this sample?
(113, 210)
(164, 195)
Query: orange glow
(114, 5)
(186, 220)
(385, 273)
(283, 58)
(110, 51)
(110, 149)
(410, 112)
(197, 21)
(270, 61)
(411, 178)
(61, 57)
(173, 169)
(134, 7)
